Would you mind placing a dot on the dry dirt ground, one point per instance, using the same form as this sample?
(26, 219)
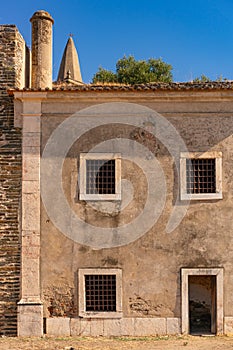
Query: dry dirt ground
(143, 343)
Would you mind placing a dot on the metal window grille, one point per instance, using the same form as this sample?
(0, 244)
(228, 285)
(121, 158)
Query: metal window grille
(100, 293)
(100, 176)
(201, 175)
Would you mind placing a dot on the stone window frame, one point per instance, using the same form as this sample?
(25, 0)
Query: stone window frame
(81, 292)
(82, 176)
(218, 167)
(185, 273)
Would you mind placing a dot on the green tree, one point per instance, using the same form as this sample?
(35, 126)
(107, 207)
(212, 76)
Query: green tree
(104, 76)
(130, 71)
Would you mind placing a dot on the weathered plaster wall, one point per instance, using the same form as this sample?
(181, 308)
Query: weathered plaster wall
(151, 265)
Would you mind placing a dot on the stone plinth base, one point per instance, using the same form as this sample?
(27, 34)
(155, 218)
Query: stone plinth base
(64, 326)
(30, 319)
(228, 325)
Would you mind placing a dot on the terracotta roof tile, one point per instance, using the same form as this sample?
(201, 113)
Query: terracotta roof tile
(213, 85)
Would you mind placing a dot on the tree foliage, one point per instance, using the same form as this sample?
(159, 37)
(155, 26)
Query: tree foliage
(131, 71)
(104, 76)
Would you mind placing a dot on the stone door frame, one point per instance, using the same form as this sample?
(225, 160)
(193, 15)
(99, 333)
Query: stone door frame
(185, 273)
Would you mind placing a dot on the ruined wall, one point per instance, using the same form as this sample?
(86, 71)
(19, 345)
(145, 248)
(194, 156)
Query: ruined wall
(151, 265)
(12, 74)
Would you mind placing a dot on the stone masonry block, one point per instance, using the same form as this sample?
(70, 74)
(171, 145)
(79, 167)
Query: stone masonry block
(75, 326)
(31, 124)
(29, 309)
(228, 325)
(173, 326)
(31, 150)
(30, 186)
(85, 327)
(30, 329)
(31, 139)
(127, 326)
(31, 167)
(30, 277)
(31, 252)
(149, 326)
(31, 212)
(30, 320)
(59, 326)
(112, 327)
(31, 238)
(32, 108)
(97, 327)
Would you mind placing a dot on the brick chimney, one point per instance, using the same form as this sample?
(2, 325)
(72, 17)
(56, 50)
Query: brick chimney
(42, 23)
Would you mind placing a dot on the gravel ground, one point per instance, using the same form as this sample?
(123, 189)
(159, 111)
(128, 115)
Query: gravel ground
(168, 343)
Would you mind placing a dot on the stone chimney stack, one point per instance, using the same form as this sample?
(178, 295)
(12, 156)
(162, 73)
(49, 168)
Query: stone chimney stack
(42, 23)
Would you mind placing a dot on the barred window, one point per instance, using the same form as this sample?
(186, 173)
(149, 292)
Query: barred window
(201, 175)
(100, 292)
(100, 176)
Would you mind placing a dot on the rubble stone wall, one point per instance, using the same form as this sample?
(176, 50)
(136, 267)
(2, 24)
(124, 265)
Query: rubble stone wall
(12, 74)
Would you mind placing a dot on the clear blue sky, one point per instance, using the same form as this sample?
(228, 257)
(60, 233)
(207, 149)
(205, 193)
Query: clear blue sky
(194, 36)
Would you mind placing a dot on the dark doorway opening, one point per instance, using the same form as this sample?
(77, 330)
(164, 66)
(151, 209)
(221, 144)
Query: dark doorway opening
(202, 304)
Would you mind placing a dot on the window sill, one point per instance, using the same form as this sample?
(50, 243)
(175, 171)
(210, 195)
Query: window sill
(106, 314)
(100, 197)
(201, 196)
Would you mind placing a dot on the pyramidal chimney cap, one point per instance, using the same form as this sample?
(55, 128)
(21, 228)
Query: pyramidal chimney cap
(70, 63)
(42, 14)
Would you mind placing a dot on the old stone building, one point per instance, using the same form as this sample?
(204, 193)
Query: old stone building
(116, 200)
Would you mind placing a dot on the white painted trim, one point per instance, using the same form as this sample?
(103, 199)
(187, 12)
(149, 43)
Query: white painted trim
(82, 177)
(218, 167)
